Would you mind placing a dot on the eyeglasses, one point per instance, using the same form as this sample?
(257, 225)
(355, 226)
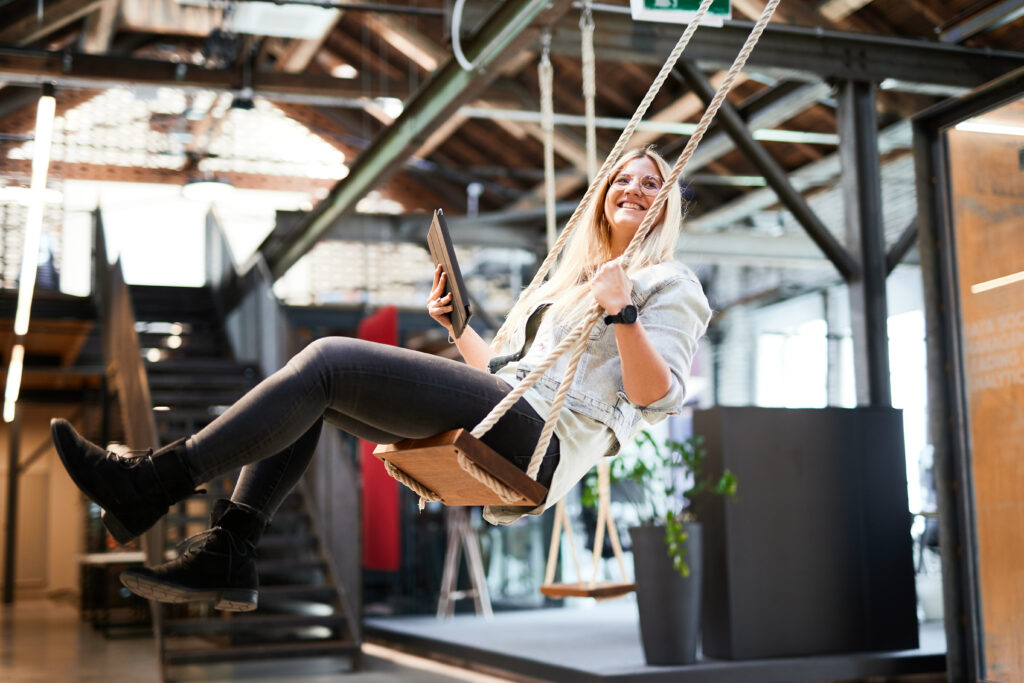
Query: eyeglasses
(649, 185)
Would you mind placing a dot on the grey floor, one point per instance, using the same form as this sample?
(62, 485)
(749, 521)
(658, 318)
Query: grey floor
(43, 641)
(600, 642)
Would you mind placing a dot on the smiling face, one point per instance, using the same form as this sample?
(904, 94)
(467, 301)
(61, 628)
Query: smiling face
(631, 192)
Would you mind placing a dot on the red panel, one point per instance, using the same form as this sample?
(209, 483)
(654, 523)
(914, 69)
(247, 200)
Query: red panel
(382, 546)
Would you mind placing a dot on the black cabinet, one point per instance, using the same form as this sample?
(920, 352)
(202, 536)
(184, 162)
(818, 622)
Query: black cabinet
(814, 555)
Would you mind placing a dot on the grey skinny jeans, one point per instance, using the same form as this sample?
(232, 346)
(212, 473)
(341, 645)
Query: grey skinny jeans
(377, 392)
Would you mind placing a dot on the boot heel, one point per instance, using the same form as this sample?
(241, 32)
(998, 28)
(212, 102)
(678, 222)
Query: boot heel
(118, 530)
(237, 600)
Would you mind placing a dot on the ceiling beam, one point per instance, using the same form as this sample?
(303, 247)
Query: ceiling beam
(56, 15)
(512, 27)
(295, 55)
(837, 10)
(823, 173)
(66, 170)
(797, 52)
(412, 227)
(76, 70)
(735, 126)
(99, 28)
(989, 19)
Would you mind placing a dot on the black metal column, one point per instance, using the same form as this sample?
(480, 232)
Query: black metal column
(862, 197)
(10, 533)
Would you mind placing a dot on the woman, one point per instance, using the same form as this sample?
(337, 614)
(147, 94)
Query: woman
(634, 368)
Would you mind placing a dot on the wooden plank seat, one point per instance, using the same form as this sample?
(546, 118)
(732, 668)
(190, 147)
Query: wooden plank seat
(442, 464)
(585, 589)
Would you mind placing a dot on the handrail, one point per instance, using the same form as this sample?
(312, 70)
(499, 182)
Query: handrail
(126, 373)
(258, 330)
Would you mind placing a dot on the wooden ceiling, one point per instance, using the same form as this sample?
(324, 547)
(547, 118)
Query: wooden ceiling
(390, 54)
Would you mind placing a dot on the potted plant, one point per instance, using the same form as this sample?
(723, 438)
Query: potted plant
(661, 483)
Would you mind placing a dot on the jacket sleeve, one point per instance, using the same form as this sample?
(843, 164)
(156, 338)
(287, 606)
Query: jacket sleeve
(675, 317)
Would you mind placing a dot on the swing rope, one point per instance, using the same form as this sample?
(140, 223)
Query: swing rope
(589, 86)
(504, 333)
(545, 75)
(576, 338)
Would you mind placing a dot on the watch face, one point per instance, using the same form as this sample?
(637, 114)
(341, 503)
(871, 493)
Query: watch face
(628, 314)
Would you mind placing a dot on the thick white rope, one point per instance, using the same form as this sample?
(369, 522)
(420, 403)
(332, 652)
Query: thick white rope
(578, 335)
(545, 75)
(589, 86)
(504, 333)
(425, 494)
(506, 494)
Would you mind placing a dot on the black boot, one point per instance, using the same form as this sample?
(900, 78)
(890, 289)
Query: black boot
(134, 490)
(217, 565)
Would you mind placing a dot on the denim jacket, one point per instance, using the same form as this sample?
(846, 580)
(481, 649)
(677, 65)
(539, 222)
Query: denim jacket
(674, 313)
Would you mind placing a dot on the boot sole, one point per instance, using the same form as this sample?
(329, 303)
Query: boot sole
(224, 599)
(115, 526)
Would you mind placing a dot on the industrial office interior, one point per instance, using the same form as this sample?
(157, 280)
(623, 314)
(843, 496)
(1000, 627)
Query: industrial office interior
(192, 191)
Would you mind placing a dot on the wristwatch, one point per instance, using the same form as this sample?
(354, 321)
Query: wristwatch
(627, 316)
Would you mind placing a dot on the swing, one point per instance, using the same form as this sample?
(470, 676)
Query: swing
(601, 590)
(455, 468)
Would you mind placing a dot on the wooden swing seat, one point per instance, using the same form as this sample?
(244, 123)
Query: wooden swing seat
(585, 589)
(434, 463)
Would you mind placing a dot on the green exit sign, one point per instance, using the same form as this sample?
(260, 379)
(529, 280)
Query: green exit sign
(679, 11)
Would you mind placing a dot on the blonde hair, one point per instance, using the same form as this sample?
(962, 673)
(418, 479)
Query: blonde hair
(589, 247)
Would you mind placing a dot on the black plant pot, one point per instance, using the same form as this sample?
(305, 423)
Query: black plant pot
(669, 604)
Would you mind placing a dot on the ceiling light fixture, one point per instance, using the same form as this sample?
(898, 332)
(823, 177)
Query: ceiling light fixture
(13, 381)
(206, 188)
(34, 221)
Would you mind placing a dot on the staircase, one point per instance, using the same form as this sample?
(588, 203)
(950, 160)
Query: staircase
(192, 379)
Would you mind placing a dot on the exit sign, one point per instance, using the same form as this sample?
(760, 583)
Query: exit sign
(679, 11)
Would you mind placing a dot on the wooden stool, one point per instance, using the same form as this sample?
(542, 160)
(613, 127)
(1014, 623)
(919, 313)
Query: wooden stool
(462, 536)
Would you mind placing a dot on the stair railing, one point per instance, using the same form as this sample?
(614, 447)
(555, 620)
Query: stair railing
(258, 328)
(126, 374)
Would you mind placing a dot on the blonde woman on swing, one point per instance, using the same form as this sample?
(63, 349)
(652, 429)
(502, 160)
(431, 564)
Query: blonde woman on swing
(634, 370)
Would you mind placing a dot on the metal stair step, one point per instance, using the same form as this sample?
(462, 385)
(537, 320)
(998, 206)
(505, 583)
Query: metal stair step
(192, 398)
(324, 593)
(257, 621)
(322, 648)
(286, 541)
(289, 564)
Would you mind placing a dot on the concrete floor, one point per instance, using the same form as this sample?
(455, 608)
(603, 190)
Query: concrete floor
(43, 641)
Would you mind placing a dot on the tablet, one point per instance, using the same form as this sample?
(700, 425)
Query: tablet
(443, 253)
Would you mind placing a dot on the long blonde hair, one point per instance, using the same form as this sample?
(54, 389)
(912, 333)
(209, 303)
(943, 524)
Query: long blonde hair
(589, 247)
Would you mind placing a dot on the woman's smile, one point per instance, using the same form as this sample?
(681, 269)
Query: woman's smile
(630, 193)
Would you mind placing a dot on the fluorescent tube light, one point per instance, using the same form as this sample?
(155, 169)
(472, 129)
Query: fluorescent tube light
(13, 381)
(34, 221)
(998, 282)
(975, 126)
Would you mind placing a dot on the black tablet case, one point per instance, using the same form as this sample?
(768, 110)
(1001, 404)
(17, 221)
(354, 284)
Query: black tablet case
(442, 251)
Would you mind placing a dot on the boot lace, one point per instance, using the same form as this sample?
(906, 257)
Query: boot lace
(196, 544)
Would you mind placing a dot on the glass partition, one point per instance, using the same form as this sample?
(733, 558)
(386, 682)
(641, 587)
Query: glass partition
(986, 200)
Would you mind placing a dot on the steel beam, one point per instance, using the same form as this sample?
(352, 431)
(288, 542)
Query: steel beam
(817, 174)
(503, 35)
(11, 531)
(78, 70)
(773, 111)
(412, 227)
(795, 51)
(902, 246)
(989, 19)
(776, 177)
(862, 200)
